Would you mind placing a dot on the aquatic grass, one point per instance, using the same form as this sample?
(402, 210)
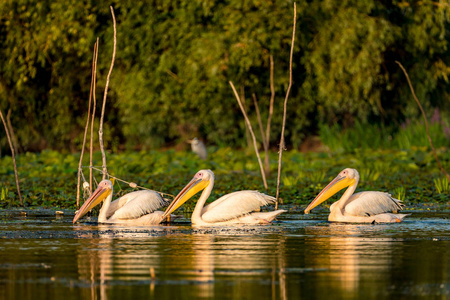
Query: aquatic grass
(442, 185)
(331, 136)
(289, 181)
(314, 177)
(412, 133)
(359, 136)
(7, 196)
(4, 193)
(368, 175)
(400, 193)
(384, 167)
(317, 176)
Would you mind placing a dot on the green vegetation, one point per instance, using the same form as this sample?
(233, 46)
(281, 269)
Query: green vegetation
(175, 58)
(170, 83)
(442, 185)
(375, 136)
(48, 179)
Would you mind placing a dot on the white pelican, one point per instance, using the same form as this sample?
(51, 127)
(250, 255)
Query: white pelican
(363, 207)
(198, 147)
(135, 208)
(234, 208)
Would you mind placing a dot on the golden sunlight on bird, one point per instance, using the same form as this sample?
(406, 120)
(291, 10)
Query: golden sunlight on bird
(363, 207)
(135, 208)
(234, 208)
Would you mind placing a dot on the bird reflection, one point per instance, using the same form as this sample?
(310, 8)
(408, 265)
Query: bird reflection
(193, 263)
(201, 265)
(93, 268)
(351, 259)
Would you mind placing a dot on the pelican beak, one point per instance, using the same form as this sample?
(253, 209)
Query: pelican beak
(192, 188)
(332, 188)
(97, 197)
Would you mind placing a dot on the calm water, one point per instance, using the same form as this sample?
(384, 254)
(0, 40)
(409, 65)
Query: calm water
(295, 258)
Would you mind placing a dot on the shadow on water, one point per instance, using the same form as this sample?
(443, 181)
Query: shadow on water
(297, 257)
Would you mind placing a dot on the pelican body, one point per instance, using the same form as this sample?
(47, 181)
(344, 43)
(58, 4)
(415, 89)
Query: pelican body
(135, 208)
(234, 208)
(363, 207)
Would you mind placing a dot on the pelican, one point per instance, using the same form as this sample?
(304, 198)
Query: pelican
(135, 208)
(198, 147)
(363, 207)
(234, 208)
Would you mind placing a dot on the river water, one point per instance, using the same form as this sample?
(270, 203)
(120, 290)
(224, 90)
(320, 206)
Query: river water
(297, 257)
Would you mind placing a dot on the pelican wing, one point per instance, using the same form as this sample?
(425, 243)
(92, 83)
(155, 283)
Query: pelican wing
(116, 204)
(235, 205)
(366, 204)
(136, 204)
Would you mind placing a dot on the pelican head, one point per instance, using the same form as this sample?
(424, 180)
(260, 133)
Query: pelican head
(346, 177)
(200, 181)
(103, 190)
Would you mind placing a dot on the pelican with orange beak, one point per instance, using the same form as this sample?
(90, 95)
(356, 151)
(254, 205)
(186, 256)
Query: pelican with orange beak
(363, 207)
(234, 208)
(135, 208)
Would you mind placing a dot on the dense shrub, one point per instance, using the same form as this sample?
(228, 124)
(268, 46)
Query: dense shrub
(175, 58)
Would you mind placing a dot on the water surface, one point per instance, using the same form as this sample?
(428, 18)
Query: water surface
(298, 257)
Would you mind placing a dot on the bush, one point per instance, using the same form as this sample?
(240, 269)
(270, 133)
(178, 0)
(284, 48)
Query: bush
(175, 58)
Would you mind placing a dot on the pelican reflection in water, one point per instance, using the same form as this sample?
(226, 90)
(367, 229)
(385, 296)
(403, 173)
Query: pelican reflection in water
(353, 260)
(234, 208)
(135, 208)
(193, 265)
(363, 207)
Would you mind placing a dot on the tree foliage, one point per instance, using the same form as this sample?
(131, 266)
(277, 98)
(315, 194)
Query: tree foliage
(175, 58)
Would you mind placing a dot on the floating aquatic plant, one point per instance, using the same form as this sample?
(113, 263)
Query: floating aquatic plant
(49, 178)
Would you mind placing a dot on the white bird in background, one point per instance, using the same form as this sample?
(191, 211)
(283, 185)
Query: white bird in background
(363, 207)
(135, 208)
(198, 147)
(234, 208)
